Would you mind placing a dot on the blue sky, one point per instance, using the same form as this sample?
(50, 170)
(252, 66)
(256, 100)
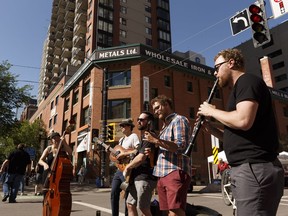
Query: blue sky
(200, 26)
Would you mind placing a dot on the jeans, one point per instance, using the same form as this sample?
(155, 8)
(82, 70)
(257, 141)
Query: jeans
(12, 184)
(115, 193)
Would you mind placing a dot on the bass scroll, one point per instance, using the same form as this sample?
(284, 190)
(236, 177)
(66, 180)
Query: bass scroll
(199, 123)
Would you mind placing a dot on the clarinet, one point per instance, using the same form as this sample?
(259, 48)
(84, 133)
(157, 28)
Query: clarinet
(199, 123)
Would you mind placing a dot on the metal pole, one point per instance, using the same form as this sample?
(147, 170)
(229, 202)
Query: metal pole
(104, 123)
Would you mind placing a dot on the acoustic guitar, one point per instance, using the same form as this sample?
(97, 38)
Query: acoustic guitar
(120, 164)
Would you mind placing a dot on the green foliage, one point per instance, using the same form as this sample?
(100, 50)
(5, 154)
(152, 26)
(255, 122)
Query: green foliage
(11, 97)
(28, 133)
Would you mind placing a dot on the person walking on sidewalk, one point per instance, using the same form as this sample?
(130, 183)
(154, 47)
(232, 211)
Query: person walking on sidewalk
(18, 162)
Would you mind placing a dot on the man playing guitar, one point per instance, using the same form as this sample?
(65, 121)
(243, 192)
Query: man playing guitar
(129, 141)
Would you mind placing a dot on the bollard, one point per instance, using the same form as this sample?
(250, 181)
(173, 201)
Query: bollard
(98, 213)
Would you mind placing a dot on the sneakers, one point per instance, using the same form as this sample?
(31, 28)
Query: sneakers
(5, 198)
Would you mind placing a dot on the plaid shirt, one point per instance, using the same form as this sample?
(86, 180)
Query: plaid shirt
(178, 132)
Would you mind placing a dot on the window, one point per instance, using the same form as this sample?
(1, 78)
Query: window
(275, 53)
(50, 123)
(55, 119)
(191, 113)
(75, 97)
(285, 111)
(123, 33)
(120, 108)
(167, 81)
(154, 92)
(280, 77)
(119, 78)
(123, 21)
(56, 100)
(52, 105)
(107, 14)
(148, 42)
(66, 105)
(85, 117)
(147, 8)
(74, 117)
(105, 26)
(86, 88)
(163, 4)
(189, 86)
(148, 31)
(278, 65)
(164, 35)
(123, 10)
(148, 19)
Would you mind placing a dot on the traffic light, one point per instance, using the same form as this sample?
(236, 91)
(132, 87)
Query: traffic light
(111, 132)
(259, 25)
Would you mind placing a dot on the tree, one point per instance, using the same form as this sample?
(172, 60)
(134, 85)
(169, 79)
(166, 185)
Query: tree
(28, 133)
(11, 97)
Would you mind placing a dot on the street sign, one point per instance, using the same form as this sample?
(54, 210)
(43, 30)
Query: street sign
(239, 22)
(279, 7)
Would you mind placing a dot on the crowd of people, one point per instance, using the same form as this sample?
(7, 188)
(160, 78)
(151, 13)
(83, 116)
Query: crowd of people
(156, 160)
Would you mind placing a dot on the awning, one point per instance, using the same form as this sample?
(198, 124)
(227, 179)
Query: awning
(83, 145)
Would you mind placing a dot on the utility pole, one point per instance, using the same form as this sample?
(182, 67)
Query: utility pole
(104, 123)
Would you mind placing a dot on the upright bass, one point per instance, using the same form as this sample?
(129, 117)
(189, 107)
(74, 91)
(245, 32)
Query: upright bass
(58, 199)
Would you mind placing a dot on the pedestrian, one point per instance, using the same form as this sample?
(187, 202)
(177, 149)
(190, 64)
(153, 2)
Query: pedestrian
(81, 174)
(172, 169)
(142, 181)
(18, 163)
(129, 141)
(48, 155)
(38, 180)
(250, 138)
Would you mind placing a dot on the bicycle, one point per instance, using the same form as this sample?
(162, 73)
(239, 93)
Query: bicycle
(226, 190)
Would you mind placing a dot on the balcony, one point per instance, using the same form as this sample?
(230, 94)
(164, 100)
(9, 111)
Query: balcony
(55, 70)
(65, 62)
(66, 53)
(70, 4)
(68, 33)
(78, 53)
(80, 18)
(49, 58)
(49, 66)
(56, 60)
(48, 73)
(81, 6)
(67, 44)
(57, 51)
(79, 29)
(79, 41)
(58, 43)
(69, 15)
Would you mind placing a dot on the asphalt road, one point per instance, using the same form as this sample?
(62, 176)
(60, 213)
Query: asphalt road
(87, 200)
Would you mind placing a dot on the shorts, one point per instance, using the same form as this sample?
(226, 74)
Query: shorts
(140, 193)
(172, 190)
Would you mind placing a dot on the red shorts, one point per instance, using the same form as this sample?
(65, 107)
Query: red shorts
(172, 190)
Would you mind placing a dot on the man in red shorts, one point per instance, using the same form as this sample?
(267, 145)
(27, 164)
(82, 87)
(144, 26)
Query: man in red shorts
(172, 168)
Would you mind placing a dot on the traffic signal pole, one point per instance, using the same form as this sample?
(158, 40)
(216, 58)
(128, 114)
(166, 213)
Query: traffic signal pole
(104, 124)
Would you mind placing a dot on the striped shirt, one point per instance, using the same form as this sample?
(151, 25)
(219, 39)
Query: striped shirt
(177, 131)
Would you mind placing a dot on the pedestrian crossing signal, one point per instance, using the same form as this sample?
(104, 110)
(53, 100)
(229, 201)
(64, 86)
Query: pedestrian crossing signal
(111, 132)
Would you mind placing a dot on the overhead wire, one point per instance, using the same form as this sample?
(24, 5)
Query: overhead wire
(148, 59)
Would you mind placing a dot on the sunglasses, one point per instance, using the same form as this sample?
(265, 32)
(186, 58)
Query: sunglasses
(217, 66)
(140, 119)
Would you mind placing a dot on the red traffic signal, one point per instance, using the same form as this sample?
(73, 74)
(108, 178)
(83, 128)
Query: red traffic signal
(258, 21)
